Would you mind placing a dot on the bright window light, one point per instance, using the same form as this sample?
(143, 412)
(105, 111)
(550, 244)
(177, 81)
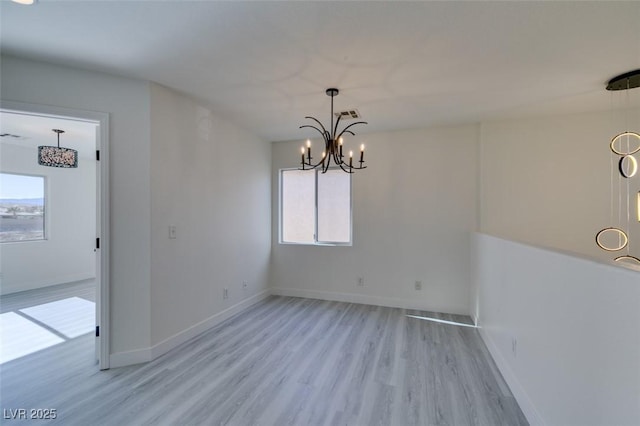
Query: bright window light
(334, 207)
(298, 206)
(315, 207)
(22, 207)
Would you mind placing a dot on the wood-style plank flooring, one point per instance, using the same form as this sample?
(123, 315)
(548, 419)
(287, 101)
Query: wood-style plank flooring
(284, 361)
(26, 299)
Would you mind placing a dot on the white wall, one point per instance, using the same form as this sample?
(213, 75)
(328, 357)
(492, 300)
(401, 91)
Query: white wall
(211, 180)
(66, 254)
(577, 358)
(127, 102)
(214, 189)
(412, 213)
(546, 181)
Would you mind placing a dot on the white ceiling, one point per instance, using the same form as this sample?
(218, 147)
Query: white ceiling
(36, 130)
(402, 64)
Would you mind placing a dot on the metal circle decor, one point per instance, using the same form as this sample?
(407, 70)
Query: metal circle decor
(630, 136)
(628, 259)
(604, 235)
(628, 166)
(625, 145)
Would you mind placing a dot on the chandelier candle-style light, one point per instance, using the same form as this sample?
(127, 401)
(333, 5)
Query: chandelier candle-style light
(333, 142)
(623, 147)
(55, 156)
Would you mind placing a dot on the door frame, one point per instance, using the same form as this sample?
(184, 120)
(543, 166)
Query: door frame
(102, 210)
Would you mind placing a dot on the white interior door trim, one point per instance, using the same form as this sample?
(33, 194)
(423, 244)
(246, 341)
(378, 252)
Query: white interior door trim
(102, 230)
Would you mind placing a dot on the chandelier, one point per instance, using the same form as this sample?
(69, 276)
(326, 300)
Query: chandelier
(55, 156)
(333, 142)
(623, 147)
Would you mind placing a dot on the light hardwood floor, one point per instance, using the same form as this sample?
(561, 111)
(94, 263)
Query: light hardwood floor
(284, 361)
(25, 299)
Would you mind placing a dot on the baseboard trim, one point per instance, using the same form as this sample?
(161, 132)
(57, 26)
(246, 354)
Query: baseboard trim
(122, 359)
(196, 329)
(529, 410)
(366, 300)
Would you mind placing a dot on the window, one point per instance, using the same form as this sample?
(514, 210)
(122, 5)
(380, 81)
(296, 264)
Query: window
(21, 207)
(315, 207)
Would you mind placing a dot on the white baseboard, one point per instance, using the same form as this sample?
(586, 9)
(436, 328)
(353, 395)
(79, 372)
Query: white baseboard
(367, 300)
(122, 359)
(196, 329)
(527, 407)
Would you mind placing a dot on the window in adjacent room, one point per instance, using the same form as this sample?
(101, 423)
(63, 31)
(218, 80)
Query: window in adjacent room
(22, 207)
(315, 207)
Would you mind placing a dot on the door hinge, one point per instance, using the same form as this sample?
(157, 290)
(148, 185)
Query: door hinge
(98, 155)
(97, 243)
(97, 331)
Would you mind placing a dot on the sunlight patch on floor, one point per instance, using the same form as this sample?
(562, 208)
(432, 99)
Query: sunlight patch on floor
(20, 337)
(461, 324)
(32, 329)
(70, 317)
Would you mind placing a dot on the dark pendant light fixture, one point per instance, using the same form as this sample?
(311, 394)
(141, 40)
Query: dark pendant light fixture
(55, 156)
(333, 142)
(623, 148)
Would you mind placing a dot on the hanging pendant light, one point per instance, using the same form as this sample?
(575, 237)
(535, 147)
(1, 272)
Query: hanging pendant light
(333, 144)
(55, 156)
(624, 147)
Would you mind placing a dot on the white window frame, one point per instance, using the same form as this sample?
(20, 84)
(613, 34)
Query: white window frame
(45, 214)
(315, 232)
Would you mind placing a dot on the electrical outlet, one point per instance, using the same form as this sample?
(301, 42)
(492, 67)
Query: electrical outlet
(225, 293)
(245, 285)
(418, 285)
(514, 346)
(360, 281)
(172, 232)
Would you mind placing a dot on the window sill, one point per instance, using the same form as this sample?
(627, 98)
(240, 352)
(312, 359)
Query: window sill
(285, 243)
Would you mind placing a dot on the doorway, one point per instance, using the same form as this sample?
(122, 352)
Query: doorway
(53, 233)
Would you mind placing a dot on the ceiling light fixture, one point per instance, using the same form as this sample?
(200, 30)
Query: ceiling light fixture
(54, 156)
(624, 145)
(24, 2)
(333, 144)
